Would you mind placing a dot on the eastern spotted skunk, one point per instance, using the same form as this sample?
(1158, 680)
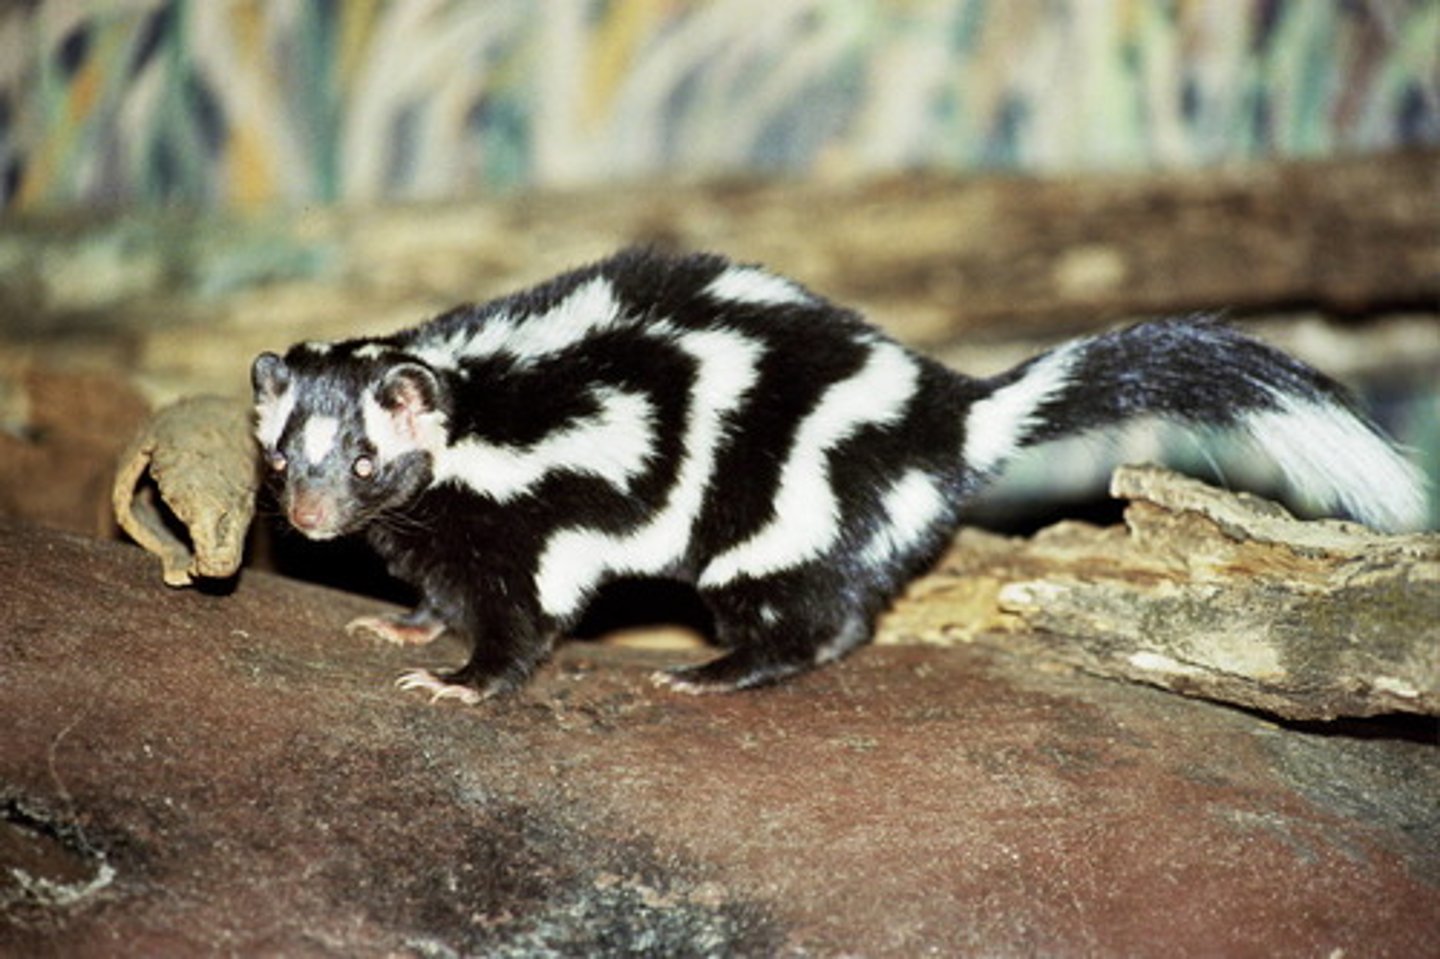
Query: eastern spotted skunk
(694, 419)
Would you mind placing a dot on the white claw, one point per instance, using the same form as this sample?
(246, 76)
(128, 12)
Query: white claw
(426, 681)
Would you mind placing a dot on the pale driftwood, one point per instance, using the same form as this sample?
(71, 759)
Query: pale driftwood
(200, 456)
(1206, 593)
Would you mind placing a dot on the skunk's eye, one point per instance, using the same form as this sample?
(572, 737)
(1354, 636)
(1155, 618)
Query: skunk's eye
(363, 467)
(276, 462)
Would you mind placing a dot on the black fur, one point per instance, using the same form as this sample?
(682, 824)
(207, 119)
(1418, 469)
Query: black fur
(477, 535)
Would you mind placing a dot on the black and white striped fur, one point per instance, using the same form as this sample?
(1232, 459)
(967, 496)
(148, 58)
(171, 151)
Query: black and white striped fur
(696, 419)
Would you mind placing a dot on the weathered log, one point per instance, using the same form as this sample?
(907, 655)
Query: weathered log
(931, 257)
(1207, 593)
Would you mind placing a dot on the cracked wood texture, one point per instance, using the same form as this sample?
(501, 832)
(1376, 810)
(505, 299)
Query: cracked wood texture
(1206, 593)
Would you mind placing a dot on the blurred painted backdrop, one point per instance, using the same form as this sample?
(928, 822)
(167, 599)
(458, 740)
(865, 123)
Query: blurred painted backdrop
(250, 102)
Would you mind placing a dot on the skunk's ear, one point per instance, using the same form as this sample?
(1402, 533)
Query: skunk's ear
(406, 411)
(409, 389)
(269, 375)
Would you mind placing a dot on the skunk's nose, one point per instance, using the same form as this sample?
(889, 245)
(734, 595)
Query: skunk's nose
(309, 512)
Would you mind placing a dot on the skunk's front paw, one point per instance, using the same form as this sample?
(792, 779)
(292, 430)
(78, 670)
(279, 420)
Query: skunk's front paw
(438, 688)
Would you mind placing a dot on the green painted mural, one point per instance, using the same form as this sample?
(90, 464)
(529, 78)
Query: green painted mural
(259, 102)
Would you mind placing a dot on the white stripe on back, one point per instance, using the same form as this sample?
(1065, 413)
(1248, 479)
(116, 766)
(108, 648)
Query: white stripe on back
(806, 519)
(748, 284)
(616, 444)
(575, 560)
(372, 351)
(911, 506)
(998, 425)
(589, 309)
(447, 352)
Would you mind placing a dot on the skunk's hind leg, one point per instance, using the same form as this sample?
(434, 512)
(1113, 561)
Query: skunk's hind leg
(771, 634)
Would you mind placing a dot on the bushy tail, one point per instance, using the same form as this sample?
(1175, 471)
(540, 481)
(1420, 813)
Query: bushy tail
(1201, 373)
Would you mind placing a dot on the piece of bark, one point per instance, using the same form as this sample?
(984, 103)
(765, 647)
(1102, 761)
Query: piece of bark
(200, 461)
(1207, 593)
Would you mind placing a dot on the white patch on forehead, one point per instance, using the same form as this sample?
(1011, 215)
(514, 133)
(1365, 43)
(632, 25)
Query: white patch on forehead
(318, 347)
(317, 438)
(271, 415)
(998, 425)
(576, 560)
(615, 444)
(748, 284)
(807, 510)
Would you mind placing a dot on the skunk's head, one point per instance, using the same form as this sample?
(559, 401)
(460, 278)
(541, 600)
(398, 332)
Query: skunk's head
(345, 434)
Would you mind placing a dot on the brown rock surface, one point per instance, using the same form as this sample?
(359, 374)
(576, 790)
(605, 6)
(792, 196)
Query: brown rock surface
(183, 772)
(61, 432)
